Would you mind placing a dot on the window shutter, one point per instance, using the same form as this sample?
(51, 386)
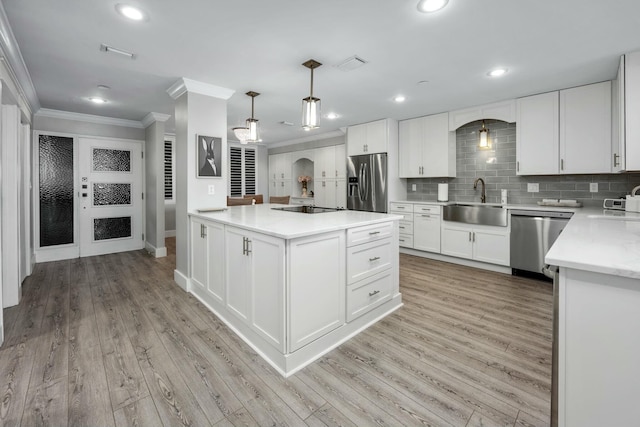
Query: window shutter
(242, 171)
(235, 171)
(249, 171)
(168, 170)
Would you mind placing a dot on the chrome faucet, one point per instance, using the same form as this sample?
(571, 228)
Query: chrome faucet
(483, 196)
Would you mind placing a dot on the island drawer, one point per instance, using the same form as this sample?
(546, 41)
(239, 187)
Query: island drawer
(368, 259)
(368, 294)
(400, 207)
(427, 209)
(405, 227)
(369, 233)
(406, 241)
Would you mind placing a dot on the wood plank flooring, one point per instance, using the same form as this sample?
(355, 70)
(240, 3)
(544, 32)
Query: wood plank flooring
(112, 341)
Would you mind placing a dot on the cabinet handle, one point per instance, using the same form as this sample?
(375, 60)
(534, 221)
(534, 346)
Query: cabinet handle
(517, 166)
(204, 231)
(324, 184)
(282, 174)
(615, 160)
(469, 236)
(248, 248)
(474, 236)
(561, 164)
(336, 173)
(244, 246)
(402, 227)
(323, 174)
(402, 240)
(373, 233)
(426, 216)
(373, 293)
(282, 184)
(399, 207)
(375, 258)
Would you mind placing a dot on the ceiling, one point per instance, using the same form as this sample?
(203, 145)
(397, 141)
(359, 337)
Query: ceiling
(260, 45)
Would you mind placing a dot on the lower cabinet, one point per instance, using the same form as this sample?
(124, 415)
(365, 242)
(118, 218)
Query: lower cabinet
(426, 232)
(207, 258)
(316, 301)
(255, 278)
(330, 193)
(479, 243)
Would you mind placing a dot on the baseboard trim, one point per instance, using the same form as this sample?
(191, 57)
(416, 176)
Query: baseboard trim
(459, 261)
(156, 252)
(181, 280)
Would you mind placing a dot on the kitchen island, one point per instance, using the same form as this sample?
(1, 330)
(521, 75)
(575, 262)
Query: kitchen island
(598, 319)
(293, 285)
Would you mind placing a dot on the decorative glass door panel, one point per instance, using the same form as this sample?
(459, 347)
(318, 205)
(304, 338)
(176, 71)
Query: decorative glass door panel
(110, 196)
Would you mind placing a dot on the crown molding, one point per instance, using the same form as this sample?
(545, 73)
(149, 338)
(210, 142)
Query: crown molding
(154, 117)
(184, 85)
(88, 118)
(309, 138)
(15, 62)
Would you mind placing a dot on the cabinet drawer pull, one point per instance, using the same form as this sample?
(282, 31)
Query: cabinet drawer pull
(373, 233)
(402, 227)
(401, 240)
(400, 207)
(375, 258)
(373, 293)
(426, 216)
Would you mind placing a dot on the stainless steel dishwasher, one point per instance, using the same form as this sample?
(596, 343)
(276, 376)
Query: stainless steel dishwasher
(532, 234)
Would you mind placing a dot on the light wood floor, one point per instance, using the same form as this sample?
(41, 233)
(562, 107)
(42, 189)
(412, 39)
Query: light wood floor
(111, 340)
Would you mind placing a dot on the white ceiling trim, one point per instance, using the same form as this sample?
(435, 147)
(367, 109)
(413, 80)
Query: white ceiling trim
(319, 137)
(89, 118)
(154, 117)
(184, 85)
(15, 62)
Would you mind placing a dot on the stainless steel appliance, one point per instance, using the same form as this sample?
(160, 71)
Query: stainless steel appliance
(367, 183)
(308, 209)
(615, 204)
(532, 234)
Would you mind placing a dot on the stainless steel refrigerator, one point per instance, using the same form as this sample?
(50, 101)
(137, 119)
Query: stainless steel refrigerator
(367, 183)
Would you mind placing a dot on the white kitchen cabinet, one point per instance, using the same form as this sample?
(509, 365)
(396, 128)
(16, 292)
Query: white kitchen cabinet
(280, 188)
(502, 110)
(280, 166)
(585, 129)
(631, 103)
(405, 225)
(324, 165)
(341, 193)
(341, 161)
(373, 137)
(426, 227)
(565, 132)
(366, 295)
(255, 274)
(618, 134)
(427, 148)
(317, 301)
(207, 258)
(480, 243)
(330, 193)
(538, 134)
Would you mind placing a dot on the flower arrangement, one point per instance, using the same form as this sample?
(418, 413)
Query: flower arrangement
(304, 178)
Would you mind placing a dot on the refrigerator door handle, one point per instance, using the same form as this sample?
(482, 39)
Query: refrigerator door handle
(365, 181)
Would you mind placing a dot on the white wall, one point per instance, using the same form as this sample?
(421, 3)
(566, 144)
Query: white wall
(154, 189)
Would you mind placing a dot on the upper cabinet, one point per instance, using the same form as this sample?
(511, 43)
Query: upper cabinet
(373, 137)
(280, 166)
(565, 132)
(427, 148)
(503, 110)
(630, 91)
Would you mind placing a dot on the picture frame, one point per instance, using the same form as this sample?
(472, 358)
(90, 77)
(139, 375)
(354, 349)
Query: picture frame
(209, 149)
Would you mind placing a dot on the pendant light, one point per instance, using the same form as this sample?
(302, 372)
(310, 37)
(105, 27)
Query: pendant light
(484, 137)
(311, 105)
(241, 133)
(252, 124)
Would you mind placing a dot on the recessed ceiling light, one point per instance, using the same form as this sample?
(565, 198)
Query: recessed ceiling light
(97, 100)
(497, 72)
(399, 98)
(131, 12)
(428, 6)
(332, 116)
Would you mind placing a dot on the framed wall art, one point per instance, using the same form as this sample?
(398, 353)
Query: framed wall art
(209, 149)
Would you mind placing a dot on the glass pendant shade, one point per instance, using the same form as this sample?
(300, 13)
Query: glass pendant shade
(484, 137)
(252, 126)
(242, 134)
(310, 113)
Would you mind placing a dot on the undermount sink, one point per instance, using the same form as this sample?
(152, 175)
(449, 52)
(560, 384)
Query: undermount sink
(472, 213)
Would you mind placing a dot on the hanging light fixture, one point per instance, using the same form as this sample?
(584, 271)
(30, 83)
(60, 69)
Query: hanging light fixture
(311, 105)
(252, 124)
(484, 137)
(241, 133)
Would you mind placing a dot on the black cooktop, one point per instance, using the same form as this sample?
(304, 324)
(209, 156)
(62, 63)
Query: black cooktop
(307, 209)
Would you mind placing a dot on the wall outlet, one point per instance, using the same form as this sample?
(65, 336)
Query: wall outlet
(212, 190)
(593, 187)
(414, 187)
(533, 187)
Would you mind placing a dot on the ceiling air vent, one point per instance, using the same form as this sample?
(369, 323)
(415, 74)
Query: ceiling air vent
(111, 49)
(351, 64)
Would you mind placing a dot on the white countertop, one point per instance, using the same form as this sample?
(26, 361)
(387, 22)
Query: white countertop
(290, 225)
(600, 241)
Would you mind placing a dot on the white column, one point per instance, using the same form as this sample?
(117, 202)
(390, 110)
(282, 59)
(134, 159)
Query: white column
(11, 283)
(154, 184)
(200, 109)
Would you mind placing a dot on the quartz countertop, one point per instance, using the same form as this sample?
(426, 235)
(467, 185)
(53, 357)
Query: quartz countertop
(290, 225)
(600, 241)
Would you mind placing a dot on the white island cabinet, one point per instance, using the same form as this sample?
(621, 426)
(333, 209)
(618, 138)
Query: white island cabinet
(285, 281)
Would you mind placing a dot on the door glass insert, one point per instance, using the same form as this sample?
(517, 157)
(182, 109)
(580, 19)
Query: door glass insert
(105, 194)
(108, 160)
(111, 228)
(56, 190)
